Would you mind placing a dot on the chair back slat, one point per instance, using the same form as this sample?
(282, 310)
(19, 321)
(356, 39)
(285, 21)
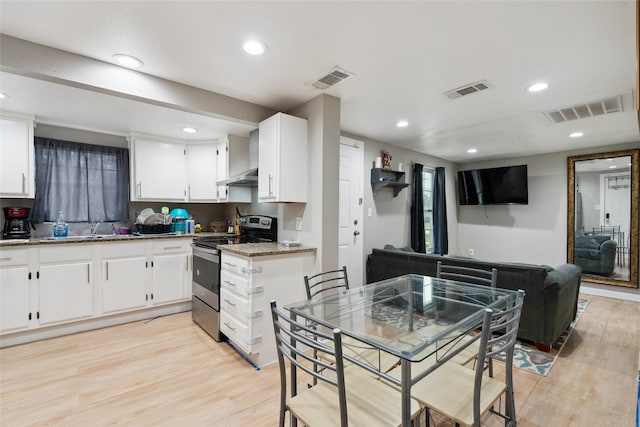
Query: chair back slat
(316, 284)
(477, 276)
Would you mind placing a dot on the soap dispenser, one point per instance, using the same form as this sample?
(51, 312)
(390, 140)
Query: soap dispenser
(60, 227)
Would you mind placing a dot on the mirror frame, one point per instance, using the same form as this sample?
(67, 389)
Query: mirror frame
(635, 184)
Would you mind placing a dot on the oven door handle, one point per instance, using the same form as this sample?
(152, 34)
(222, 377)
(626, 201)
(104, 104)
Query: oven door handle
(207, 254)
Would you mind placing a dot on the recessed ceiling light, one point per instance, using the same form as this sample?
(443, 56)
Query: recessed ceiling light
(612, 167)
(472, 150)
(189, 129)
(402, 123)
(254, 47)
(127, 60)
(537, 87)
(576, 135)
(3, 96)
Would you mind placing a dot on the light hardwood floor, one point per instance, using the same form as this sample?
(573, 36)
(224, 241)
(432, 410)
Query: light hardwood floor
(168, 372)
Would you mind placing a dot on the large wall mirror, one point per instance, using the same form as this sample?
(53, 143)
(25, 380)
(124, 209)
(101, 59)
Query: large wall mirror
(602, 220)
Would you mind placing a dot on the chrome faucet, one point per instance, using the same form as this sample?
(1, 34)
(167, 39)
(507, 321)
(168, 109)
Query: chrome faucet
(94, 226)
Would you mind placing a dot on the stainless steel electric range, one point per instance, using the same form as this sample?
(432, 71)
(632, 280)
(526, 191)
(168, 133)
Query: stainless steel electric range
(205, 306)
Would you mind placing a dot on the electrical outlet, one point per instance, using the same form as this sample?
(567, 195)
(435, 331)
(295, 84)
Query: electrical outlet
(470, 252)
(369, 212)
(299, 223)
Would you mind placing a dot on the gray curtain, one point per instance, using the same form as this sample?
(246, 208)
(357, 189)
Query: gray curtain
(417, 211)
(87, 182)
(440, 234)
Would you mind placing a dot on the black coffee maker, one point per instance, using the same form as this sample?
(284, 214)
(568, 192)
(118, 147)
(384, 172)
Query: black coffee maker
(17, 224)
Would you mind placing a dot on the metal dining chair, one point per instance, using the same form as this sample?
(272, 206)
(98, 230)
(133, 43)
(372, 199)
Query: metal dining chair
(339, 398)
(327, 282)
(464, 395)
(475, 276)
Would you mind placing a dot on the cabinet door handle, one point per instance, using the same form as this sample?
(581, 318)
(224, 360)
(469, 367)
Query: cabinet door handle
(189, 191)
(270, 185)
(140, 188)
(230, 283)
(24, 183)
(229, 302)
(6, 258)
(229, 326)
(107, 265)
(230, 264)
(88, 273)
(170, 247)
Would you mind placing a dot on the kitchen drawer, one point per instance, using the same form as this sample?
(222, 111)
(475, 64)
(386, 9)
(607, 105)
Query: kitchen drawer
(14, 257)
(241, 308)
(235, 264)
(171, 246)
(66, 252)
(239, 284)
(238, 332)
(123, 249)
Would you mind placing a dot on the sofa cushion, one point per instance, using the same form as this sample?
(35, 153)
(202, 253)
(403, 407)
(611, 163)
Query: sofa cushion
(587, 243)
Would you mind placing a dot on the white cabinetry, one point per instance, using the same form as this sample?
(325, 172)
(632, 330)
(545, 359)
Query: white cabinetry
(16, 156)
(124, 276)
(65, 285)
(202, 172)
(171, 273)
(158, 169)
(247, 285)
(233, 159)
(15, 305)
(282, 159)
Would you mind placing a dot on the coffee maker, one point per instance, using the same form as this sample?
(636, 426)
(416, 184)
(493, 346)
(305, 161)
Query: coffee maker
(17, 224)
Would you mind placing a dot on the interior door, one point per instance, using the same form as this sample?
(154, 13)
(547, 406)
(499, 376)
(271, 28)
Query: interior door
(350, 210)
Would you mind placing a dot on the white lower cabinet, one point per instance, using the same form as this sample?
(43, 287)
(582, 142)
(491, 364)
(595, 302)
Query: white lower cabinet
(247, 285)
(65, 284)
(59, 284)
(170, 272)
(15, 306)
(124, 276)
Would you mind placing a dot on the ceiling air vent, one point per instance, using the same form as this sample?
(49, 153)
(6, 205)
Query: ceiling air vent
(335, 76)
(584, 111)
(467, 89)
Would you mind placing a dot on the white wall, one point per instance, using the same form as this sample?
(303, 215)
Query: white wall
(391, 216)
(534, 233)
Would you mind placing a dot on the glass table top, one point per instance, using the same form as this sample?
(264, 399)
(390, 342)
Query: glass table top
(410, 316)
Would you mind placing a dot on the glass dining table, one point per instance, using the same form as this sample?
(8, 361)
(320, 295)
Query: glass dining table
(412, 317)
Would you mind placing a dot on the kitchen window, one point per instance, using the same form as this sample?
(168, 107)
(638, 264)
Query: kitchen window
(87, 182)
(427, 200)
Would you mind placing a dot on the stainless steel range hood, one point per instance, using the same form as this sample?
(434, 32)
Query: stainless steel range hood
(248, 178)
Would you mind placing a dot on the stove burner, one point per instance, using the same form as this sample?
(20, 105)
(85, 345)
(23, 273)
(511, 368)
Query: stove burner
(253, 229)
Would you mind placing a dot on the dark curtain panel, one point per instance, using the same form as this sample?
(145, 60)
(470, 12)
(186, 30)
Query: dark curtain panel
(440, 236)
(87, 182)
(417, 211)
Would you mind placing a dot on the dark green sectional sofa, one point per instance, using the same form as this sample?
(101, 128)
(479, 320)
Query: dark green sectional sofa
(551, 299)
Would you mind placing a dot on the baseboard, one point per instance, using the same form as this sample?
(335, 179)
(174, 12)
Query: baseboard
(38, 334)
(622, 293)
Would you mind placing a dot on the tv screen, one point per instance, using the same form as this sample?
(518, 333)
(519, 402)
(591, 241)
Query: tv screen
(494, 186)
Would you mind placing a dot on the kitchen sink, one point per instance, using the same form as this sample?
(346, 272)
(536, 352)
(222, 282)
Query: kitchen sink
(88, 237)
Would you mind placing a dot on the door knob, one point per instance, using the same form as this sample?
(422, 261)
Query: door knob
(356, 232)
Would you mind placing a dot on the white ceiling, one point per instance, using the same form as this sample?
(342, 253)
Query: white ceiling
(404, 55)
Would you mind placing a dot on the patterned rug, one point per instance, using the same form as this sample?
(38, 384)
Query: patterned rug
(529, 358)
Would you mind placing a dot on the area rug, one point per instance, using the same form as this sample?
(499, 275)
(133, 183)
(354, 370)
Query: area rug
(530, 359)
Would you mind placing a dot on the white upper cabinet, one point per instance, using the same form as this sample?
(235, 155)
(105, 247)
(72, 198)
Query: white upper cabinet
(158, 169)
(202, 173)
(282, 159)
(17, 178)
(233, 158)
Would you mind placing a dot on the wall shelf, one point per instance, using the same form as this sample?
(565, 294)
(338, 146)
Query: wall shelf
(387, 178)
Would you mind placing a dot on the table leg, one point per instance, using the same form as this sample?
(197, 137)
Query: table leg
(405, 382)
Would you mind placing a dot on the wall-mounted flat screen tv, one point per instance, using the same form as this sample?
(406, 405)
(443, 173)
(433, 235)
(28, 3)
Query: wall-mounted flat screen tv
(494, 186)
